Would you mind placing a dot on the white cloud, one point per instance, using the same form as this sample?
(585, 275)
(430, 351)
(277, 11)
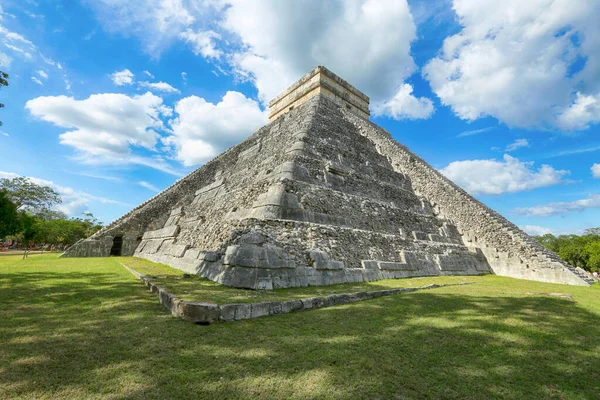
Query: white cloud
(36, 80)
(546, 210)
(5, 60)
(160, 86)
(19, 50)
(272, 43)
(43, 74)
(156, 23)
(104, 127)
(149, 74)
(474, 132)
(124, 77)
(536, 230)
(149, 186)
(517, 61)
(367, 42)
(517, 144)
(202, 129)
(404, 105)
(596, 171)
(203, 42)
(497, 177)
(74, 202)
(184, 76)
(4, 134)
(15, 37)
(584, 112)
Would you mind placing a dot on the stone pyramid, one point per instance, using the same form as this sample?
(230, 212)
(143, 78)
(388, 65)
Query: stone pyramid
(322, 196)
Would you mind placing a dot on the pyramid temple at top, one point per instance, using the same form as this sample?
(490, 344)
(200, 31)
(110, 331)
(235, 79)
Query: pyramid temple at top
(321, 196)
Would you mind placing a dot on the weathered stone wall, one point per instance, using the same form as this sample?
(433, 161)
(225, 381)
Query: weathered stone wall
(510, 251)
(313, 204)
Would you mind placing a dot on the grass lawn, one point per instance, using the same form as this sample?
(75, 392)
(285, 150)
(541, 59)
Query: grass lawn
(86, 328)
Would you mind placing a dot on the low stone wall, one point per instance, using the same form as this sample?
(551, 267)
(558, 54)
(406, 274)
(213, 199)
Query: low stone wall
(207, 313)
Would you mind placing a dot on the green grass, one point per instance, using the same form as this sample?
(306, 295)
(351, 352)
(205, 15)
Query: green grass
(196, 288)
(86, 328)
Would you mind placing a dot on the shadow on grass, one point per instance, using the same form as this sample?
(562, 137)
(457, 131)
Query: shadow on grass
(74, 335)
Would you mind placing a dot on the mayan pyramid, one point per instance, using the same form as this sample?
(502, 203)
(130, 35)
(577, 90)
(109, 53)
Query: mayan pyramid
(321, 196)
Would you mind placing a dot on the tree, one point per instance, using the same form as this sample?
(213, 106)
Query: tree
(591, 231)
(3, 82)
(9, 217)
(593, 251)
(28, 196)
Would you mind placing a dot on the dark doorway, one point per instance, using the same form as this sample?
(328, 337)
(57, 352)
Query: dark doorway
(117, 246)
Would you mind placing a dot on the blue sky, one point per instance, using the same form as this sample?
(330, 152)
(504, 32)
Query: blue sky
(110, 102)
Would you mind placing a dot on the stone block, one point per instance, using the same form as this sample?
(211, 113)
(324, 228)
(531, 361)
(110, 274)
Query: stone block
(211, 256)
(169, 231)
(388, 265)
(217, 183)
(420, 235)
(322, 261)
(192, 253)
(252, 256)
(177, 250)
(199, 312)
(260, 309)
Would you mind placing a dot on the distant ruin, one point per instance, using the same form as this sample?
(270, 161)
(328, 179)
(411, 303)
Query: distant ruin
(321, 196)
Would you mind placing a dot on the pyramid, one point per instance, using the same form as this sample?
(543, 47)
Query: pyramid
(323, 196)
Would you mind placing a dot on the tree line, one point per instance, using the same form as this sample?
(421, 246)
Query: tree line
(580, 251)
(27, 215)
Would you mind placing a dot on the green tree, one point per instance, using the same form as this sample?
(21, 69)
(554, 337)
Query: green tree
(580, 251)
(65, 231)
(3, 82)
(9, 217)
(28, 196)
(593, 251)
(549, 241)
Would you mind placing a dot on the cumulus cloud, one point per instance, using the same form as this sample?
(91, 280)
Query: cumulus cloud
(159, 86)
(546, 210)
(43, 74)
(201, 130)
(596, 171)
(74, 202)
(272, 43)
(149, 74)
(104, 127)
(404, 105)
(202, 42)
(517, 144)
(535, 230)
(528, 64)
(124, 77)
(36, 80)
(497, 177)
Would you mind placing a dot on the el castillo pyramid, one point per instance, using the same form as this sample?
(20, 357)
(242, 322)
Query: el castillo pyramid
(322, 196)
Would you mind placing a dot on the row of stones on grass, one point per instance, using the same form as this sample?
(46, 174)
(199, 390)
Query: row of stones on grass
(206, 313)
